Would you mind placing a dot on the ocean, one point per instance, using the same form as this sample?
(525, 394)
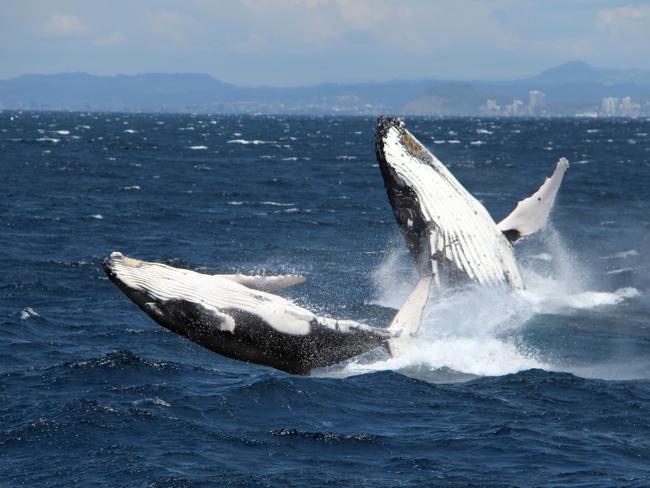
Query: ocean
(545, 387)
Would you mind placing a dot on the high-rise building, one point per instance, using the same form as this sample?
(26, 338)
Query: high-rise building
(628, 108)
(609, 106)
(515, 108)
(491, 107)
(535, 102)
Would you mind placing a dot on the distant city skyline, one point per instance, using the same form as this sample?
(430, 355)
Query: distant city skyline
(298, 42)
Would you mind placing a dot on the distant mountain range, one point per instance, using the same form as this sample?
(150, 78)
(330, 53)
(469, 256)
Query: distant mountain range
(571, 88)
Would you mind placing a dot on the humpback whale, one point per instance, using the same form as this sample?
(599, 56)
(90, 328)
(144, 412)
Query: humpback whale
(448, 232)
(238, 316)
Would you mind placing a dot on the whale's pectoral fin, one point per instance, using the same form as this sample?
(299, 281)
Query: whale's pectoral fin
(266, 283)
(407, 321)
(531, 214)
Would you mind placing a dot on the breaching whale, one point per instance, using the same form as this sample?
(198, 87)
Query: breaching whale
(238, 316)
(448, 232)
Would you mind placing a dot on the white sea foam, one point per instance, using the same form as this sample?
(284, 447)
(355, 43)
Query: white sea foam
(155, 401)
(619, 271)
(97, 216)
(27, 313)
(250, 141)
(476, 330)
(277, 204)
(198, 148)
(622, 254)
(130, 188)
(130, 131)
(544, 256)
(62, 132)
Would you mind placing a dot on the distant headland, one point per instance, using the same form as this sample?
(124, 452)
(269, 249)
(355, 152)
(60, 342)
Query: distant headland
(571, 89)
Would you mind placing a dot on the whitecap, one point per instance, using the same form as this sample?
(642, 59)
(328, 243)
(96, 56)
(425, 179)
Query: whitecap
(48, 139)
(453, 141)
(477, 143)
(97, 216)
(155, 401)
(544, 256)
(130, 131)
(62, 132)
(619, 271)
(483, 131)
(134, 187)
(198, 148)
(593, 299)
(622, 254)
(277, 204)
(28, 312)
(250, 141)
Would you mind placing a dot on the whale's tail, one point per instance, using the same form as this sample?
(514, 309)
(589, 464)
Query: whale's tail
(408, 319)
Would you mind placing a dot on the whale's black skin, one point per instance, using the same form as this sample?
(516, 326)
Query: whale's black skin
(404, 201)
(253, 339)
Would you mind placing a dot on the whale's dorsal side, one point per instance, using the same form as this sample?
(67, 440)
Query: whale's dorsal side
(531, 214)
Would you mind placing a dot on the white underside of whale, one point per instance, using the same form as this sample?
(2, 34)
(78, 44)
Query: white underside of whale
(219, 294)
(461, 229)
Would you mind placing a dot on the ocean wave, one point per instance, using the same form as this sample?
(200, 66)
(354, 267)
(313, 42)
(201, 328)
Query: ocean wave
(326, 437)
(622, 254)
(119, 360)
(151, 402)
(277, 204)
(27, 313)
(477, 331)
(250, 141)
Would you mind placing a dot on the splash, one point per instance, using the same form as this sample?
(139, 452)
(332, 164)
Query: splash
(476, 331)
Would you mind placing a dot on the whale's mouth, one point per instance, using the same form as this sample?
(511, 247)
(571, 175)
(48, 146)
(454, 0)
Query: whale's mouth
(123, 272)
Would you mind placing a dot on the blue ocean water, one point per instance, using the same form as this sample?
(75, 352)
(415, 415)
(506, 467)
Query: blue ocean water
(548, 387)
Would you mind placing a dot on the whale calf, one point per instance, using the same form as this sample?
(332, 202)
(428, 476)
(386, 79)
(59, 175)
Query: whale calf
(238, 316)
(448, 232)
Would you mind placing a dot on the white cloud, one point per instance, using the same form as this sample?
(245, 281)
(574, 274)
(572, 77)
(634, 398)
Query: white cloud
(170, 24)
(627, 29)
(639, 14)
(64, 25)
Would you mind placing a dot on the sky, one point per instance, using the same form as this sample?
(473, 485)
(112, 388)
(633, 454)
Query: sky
(296, 42)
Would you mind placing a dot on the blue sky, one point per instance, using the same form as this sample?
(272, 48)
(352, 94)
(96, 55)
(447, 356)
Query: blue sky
(291, 42)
